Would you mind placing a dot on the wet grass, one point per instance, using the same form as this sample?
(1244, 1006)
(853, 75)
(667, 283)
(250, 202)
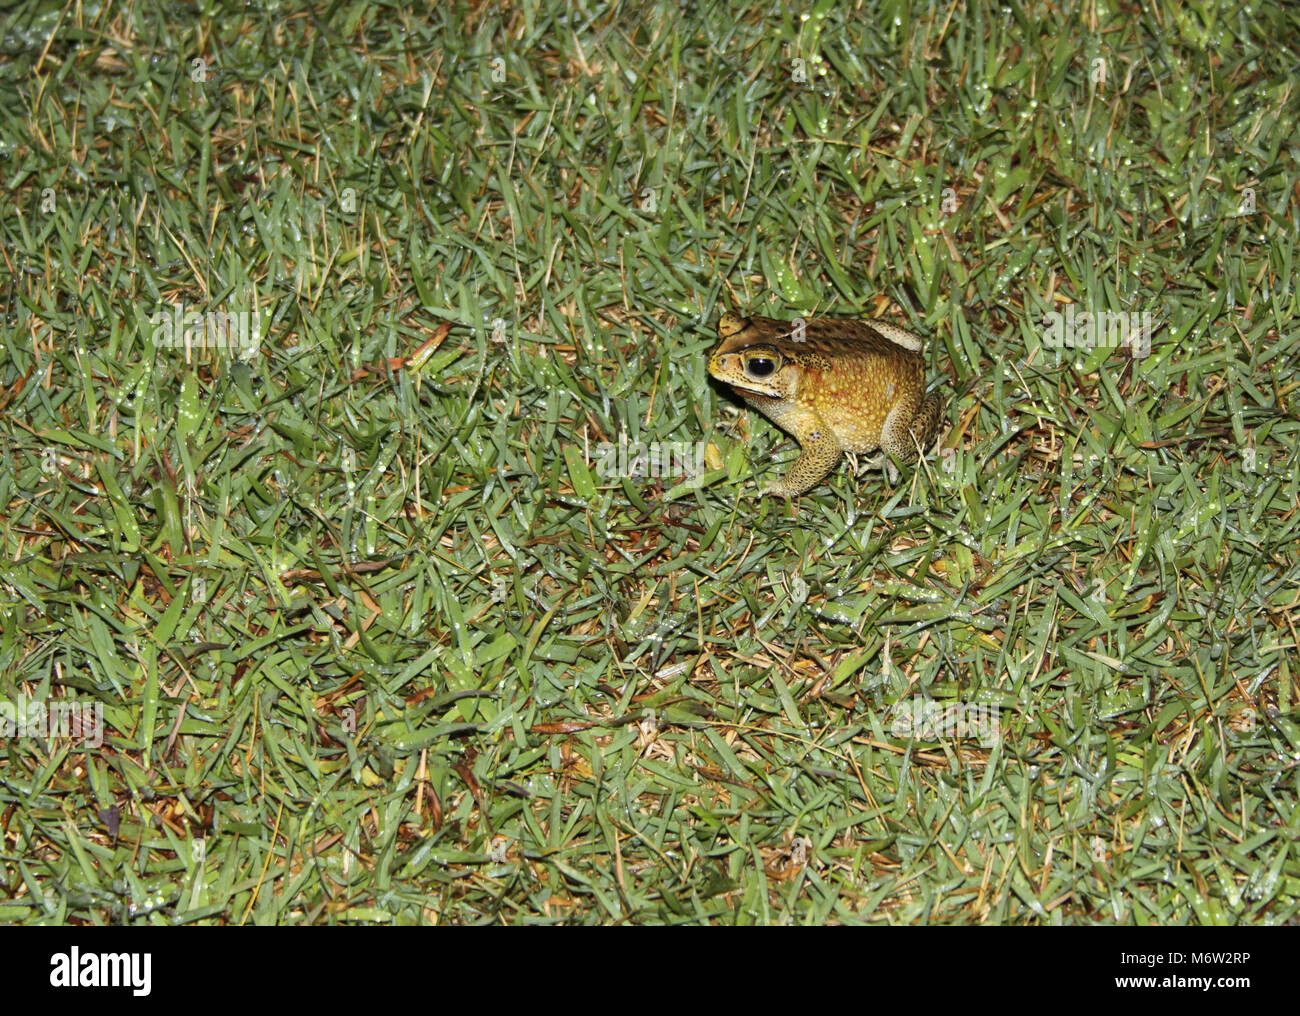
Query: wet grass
(382, 621)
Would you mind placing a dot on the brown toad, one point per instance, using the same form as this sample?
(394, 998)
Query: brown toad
(837, 385)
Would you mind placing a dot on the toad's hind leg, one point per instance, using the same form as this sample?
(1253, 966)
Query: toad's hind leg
(821, 452)
(906, 436)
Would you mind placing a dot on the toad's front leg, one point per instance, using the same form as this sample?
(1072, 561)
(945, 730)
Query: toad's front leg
(821, 453)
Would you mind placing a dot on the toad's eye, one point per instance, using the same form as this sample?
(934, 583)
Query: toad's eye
(760, 366)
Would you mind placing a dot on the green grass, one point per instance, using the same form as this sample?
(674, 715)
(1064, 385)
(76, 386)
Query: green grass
(375, 640)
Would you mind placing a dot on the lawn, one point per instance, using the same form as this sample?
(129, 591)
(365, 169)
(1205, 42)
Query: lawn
(377, 548)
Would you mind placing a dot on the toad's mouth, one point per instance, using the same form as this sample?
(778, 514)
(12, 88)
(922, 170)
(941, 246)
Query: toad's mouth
(754, 392)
